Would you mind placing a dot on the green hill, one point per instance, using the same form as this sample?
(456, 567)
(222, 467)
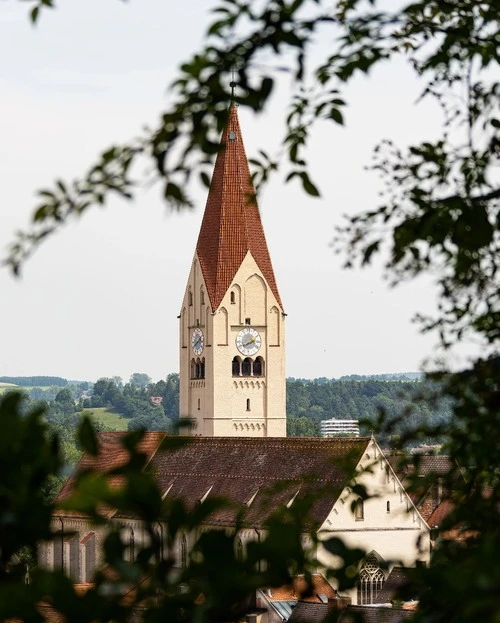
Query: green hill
(110, 419)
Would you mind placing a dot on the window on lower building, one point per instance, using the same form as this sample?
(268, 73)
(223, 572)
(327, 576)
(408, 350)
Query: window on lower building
(239, 550)
(131, 545)
(183, 551)
(371, 580)
(88, 563)
(359, 510)
(58, 551)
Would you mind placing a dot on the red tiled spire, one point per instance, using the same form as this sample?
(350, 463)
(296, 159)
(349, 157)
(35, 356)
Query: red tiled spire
(231, 224)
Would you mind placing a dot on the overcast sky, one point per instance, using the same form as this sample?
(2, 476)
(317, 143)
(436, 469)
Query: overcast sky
(102, 297)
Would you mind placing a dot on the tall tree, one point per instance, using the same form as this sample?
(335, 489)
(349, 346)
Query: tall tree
(139, 379)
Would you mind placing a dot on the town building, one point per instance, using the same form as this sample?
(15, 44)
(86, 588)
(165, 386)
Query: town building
(259, 476)
(330, 428)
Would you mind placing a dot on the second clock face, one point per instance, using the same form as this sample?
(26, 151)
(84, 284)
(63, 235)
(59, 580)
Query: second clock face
(197, 341)
(248, 341)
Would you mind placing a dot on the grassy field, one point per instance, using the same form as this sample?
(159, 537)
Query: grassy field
(4, 387)
(113, 421)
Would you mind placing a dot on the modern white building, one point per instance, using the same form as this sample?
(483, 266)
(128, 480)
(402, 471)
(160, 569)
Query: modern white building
(333, 427)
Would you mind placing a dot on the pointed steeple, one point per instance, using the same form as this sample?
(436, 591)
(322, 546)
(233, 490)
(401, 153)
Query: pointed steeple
(231, 225)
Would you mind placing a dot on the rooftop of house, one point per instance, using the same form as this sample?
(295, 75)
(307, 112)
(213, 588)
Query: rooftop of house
(317, 591)
(396, 584)
(420, 464)
(111, 455)
(375, 614)
(247, 471)
(315, 613)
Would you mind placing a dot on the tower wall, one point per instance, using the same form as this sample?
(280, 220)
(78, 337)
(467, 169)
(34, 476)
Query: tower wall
(230, 402)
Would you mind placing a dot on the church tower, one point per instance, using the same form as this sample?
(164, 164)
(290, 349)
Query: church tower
(232, 333)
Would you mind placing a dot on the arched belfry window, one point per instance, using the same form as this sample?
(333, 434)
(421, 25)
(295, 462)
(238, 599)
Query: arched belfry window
(371, 580)
(246, 367)
(198, 368)
(236, 366)
(258, 367)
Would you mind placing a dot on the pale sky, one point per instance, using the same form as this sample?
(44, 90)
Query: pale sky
(101, 298)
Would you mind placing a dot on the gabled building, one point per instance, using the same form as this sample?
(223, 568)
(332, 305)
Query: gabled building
(246, 471)
(232, 321)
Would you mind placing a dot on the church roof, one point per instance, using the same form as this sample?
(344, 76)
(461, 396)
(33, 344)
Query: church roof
(111, 455)
(257, 475)
(231, 225)
(261, 474)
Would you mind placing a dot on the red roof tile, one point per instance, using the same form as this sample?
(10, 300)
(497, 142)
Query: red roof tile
(440, 513)
(111, 456)
(299, 590)
(231, 224)
(242, 470)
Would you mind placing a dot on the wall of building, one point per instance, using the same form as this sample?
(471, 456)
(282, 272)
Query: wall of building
(390, 524)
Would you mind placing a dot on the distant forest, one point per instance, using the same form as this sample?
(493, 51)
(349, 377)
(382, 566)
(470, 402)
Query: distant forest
(31, 381)
(403, 397)
(404, 403)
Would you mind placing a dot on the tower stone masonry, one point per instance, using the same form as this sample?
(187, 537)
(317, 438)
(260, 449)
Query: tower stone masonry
(232, 322)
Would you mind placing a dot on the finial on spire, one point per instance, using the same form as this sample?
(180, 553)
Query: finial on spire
(232, 84)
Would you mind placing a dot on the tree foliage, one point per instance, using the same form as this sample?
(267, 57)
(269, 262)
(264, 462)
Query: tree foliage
(213, 587)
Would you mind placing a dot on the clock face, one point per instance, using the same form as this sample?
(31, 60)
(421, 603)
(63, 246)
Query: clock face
(248, 341)
(197, 341)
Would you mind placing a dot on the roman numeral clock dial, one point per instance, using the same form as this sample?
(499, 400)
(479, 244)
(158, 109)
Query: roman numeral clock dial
(248, 341)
